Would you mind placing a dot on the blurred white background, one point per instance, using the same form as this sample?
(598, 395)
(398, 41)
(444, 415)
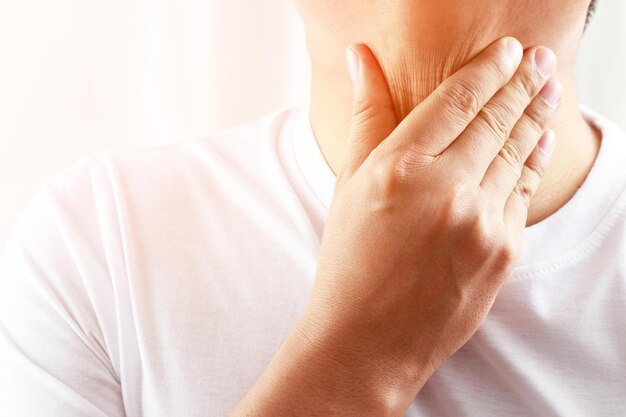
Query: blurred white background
(78, 77)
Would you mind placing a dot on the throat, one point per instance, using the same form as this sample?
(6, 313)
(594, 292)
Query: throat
(577, 148)
(412, 78)
(577, 143)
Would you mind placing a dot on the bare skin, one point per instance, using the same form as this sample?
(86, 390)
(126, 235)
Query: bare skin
(420, 43)
(440, 143)
(414, 253)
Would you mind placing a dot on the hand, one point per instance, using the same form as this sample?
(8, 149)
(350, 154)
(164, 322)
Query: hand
(428, 216)
(425, 226)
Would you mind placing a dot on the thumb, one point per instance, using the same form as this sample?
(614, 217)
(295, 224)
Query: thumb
(373, 112)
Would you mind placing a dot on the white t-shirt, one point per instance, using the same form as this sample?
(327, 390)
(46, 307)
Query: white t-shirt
(161, 282)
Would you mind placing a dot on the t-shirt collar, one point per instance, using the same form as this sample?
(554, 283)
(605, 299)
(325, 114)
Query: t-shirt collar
(556, 235)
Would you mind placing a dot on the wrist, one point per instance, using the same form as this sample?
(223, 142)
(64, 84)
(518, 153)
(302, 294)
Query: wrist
(346, 388)
(347, 374)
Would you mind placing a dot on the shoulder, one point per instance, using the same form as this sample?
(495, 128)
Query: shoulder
(118, 179)
(102, 198)
(609, 178)
(56, 281)
(234, 153)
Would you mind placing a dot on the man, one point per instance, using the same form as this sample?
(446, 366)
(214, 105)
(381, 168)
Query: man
(164, 282)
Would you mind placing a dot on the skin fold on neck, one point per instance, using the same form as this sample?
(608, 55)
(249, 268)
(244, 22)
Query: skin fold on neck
(420, 43)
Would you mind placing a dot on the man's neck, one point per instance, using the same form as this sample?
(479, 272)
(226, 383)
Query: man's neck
(576, 149)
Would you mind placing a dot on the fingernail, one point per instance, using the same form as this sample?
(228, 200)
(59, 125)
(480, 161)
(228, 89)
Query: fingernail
(514, 49)
(546, 61)
(547, 141)
(353, 63)
(552, 92)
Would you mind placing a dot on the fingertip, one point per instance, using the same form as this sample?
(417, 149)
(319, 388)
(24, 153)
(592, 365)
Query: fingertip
(546, 61)
(513, 49)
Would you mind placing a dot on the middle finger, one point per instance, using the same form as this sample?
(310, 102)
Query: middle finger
(479, 144)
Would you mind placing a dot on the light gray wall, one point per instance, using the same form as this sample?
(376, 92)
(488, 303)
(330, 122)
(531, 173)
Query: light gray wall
(601, 71)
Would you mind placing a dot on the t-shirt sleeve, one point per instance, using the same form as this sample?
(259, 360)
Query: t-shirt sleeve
(57, 346)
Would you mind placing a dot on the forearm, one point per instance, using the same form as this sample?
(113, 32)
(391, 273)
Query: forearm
(303, 380)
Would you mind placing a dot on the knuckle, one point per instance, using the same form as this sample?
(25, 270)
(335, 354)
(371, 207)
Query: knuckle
(457, 208)
(459, 191)
(512, 155)
(482, 236)
(532, 175)
(508, 254)
(385, 180)
(496, 119)
(524, 190)
(526, 84)
(363, 111)
(410, 160)
(528, 183)
(462, 98)
(502, 67)
(536, 116)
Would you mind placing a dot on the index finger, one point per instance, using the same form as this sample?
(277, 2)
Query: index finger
(445, 114)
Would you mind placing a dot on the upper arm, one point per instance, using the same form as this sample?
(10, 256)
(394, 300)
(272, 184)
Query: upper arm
(55, 357)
